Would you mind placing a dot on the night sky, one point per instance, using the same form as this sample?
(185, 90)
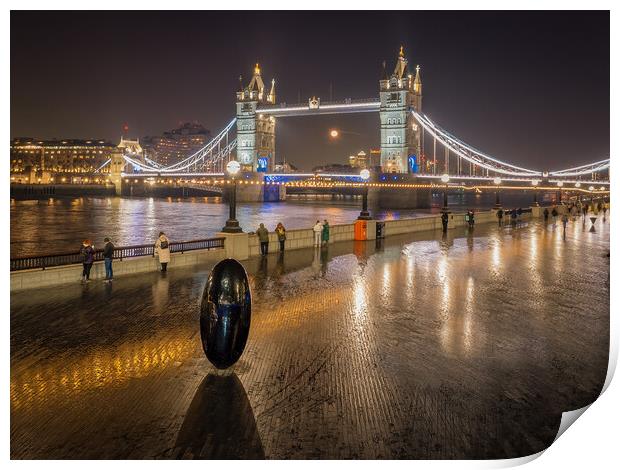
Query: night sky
(531, 88)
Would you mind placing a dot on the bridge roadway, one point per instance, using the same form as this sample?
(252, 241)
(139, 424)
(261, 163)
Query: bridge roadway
(423, 347)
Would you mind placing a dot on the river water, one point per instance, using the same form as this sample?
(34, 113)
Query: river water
(59, 225)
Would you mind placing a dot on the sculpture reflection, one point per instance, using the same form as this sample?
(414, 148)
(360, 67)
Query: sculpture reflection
(225, 313)
(219, 423)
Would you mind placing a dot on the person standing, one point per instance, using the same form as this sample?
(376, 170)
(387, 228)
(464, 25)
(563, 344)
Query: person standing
(281, 233)
(325, 233)
(470, 218)
(263, 238)
(162, 250)
(317, 229)
(500, 216)
(546, 214)
(108, 253)
(444, 222)
(88, 257)
(554, 215)
(564, 222)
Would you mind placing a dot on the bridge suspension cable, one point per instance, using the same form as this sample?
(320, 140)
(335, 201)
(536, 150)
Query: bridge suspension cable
(212, 152)
(485, 161)
(469, 153)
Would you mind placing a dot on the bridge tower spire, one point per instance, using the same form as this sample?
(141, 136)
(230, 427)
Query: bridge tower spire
(255, 129)
(400, 134)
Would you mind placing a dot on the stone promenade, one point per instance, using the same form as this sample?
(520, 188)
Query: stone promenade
(420, 346)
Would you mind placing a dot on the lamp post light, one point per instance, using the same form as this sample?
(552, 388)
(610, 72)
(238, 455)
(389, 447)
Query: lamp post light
(535, 184)
(497, 181)
(232, 224)
(364, 214)
(445, 178)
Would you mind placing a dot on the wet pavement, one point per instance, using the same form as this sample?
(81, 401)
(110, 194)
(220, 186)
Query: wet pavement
(468, 346)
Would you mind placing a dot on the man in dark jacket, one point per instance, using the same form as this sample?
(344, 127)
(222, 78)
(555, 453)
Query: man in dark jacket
(88, 257)
(263, 238)
(108, 253)
(444, 221)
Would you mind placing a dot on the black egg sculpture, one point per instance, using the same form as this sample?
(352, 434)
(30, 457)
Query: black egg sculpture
(225, 313)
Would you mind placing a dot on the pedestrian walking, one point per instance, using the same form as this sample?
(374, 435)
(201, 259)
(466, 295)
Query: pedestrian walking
(564, 222)
(263, 238)
(546, 214)
(471, 218)
(88, 257)
(325, 233)
(162, 250)
(554, 214)
(281, 233)
(444, 222)
(108, 253)
(513, 216)
(318, 228)
(500, 216)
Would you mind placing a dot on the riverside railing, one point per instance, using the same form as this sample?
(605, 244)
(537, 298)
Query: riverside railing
(120, 252)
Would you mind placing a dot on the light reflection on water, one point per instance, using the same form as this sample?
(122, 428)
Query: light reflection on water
(59, 225)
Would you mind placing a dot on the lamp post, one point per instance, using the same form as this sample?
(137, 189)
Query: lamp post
(559, 196)
(445, 178)
(497, 181)
(535, 184)
(232, 224)
(364, 214)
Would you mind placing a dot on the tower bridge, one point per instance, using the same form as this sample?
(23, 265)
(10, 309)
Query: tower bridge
(413, 146)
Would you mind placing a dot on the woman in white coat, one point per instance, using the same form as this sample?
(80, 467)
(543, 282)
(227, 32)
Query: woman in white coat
(317, 229)
(162, 250)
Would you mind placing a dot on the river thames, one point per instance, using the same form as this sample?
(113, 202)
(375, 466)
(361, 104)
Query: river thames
(58, 225)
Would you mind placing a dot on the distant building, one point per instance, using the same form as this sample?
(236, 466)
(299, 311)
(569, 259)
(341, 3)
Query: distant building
(284, 167)
(48, 157)
(173, 146)
(334, 168)
(359, 160)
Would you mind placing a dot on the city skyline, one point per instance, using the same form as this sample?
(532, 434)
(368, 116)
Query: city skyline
(509, 83)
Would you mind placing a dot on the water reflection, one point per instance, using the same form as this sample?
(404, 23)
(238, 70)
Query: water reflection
(57, 226)
(160, 293)
(219, 423)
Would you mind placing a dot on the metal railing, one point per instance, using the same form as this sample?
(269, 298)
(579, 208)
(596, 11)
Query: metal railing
(120, 252)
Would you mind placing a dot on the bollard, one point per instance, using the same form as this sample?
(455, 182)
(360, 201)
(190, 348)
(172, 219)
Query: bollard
(225, 313)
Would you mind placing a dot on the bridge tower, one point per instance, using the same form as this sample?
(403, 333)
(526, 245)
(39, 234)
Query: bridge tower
(117, 165)
(256, 141)
(400, 134)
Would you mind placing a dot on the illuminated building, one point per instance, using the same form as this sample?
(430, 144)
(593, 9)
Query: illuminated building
(173, 146)
(256, 141)
(400, 134)
(33, 159)
(359, 161)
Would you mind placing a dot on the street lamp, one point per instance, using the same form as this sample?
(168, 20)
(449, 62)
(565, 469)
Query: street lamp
(497, 181)
(364, 214)
(535, 184)
(232, 224)
(445, 178)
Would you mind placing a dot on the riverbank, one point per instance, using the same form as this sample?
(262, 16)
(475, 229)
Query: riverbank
(242, 246)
